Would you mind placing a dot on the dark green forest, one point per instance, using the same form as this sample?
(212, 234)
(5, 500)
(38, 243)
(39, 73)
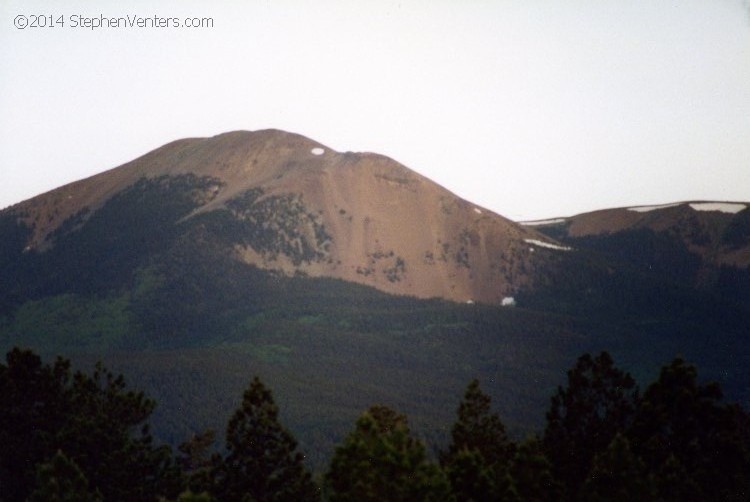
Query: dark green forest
(70, 435)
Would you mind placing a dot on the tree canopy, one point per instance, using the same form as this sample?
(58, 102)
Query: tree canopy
(585, 416)
(380, 460)
(73, 436)
(687, 436)
(262, 461)
(478, 457)
(64, 422)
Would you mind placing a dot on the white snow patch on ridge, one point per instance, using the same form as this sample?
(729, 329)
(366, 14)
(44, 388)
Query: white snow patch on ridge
(724, 207)
(477, 210)
(646, 209)
(542, 222)
(317, 151)
(547, 245)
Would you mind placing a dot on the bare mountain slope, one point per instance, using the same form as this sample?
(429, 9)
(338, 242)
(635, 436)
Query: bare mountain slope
(360, 217)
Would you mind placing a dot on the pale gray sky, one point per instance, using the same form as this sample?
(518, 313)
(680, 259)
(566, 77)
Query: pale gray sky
(532, 109)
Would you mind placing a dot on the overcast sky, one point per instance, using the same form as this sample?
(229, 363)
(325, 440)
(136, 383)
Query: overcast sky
(532, 109)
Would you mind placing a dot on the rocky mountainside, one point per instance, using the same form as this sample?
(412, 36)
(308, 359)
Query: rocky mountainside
(299, 207)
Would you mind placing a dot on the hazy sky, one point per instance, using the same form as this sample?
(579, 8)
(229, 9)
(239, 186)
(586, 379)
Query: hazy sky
(530, 108)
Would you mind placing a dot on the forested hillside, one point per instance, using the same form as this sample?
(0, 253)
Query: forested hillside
(84, 436)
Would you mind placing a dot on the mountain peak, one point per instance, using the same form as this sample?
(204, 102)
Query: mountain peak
(361, 217)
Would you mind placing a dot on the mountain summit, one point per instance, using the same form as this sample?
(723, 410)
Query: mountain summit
(298, 207)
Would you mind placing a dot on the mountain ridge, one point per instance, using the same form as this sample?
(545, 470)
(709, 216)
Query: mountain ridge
(385, 225)
(717, 231)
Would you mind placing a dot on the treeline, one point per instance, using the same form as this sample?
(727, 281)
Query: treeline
(72, 436)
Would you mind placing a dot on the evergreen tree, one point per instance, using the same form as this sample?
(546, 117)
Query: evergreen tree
(380, 460)
(618, 475)
(195, 461)
(531, 473)
(33, 405)
(262, 463)
(672, 482)
(189, 496)
(599, 402)
(685, 434)
(98, 423)
(473, 479)
(479, 454)
(108, 436)
(60, 480)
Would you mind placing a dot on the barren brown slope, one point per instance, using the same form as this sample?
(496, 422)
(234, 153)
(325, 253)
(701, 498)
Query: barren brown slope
(383, 225)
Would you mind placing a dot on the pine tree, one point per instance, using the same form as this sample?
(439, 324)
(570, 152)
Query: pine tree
(673, 483)
(599, 402)
(684, 433)
(60, 480)
(380, 460)
(472, 479)
(618, 475)
(189, 496)
(479, 454)
(33, 405)
(99, 424)
(531, 473)
(262, 463)
(196, 462)
(109, 437)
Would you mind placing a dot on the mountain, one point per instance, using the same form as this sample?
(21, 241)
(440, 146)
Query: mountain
(718, 232)
(302, 208)
(345, 280)
(700, 244)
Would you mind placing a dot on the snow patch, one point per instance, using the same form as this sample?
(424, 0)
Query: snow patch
(548, 245)
(543, 222)
(508, 301)
(724, 207)
(477, 210)
(317, 151)
(646, 209)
